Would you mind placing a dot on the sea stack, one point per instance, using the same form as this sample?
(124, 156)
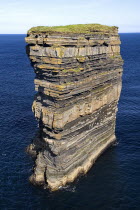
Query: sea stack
(78, 82)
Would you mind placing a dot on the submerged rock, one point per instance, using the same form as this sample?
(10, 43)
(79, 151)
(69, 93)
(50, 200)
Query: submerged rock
(78, 83)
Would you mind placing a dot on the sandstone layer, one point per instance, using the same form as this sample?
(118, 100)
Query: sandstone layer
(78, 83)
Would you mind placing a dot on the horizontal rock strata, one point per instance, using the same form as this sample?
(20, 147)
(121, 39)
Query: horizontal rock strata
(78, 84)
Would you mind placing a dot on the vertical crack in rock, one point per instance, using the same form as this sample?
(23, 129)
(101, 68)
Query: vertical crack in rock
(78, 83)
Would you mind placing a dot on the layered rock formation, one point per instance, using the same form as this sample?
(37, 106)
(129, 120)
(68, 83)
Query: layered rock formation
(78, 83)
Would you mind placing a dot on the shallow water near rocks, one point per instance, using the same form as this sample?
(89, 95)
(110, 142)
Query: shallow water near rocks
(112, 183)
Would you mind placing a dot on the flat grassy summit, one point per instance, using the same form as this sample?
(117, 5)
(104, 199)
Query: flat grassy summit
(79, 28)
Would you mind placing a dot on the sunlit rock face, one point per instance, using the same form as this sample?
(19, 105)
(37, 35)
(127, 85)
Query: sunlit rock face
(78, 83)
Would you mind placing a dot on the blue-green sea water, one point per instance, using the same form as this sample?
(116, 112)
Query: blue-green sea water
(113, 183)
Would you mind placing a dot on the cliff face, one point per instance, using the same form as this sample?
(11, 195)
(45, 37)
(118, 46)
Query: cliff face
(78, 84)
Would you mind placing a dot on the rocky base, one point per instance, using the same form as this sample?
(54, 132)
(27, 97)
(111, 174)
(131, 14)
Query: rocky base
(81, 170)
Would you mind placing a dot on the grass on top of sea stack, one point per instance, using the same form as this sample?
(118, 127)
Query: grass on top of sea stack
(79, 28)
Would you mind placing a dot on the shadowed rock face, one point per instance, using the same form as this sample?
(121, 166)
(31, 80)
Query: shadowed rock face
(78, 84)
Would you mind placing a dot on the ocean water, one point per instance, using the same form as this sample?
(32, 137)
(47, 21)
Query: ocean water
(113, 183)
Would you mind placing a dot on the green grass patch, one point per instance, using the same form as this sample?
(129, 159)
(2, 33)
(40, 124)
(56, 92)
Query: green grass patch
(79, 28)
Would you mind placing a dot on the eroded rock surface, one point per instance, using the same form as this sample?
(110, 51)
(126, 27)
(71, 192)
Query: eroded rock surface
(78, 84)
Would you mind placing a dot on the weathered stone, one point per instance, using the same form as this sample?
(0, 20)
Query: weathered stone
(78, 80)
